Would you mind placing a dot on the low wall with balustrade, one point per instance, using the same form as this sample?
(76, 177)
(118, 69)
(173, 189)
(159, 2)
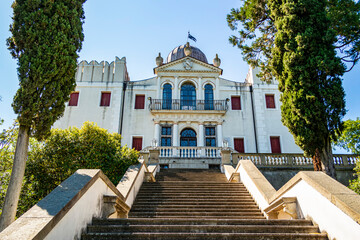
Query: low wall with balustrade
(190, 152)
(280, 168)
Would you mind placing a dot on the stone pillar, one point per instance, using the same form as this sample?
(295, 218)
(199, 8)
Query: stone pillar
(154, 155)
(201, 135)
(201, 139)
(175, 134)
(157, 133)
(219, 135)
(225, 156)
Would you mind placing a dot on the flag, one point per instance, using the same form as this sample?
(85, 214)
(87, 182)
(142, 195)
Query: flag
(191, 37)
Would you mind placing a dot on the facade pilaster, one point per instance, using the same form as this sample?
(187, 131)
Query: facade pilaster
(219, 134)
(175, 134)
(201, 135)
(158, 94)
(157, 133)
(176, 89)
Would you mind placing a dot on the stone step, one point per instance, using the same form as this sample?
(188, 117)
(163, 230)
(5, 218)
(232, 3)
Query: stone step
(188, 210)
(203, 228)
(194, 221)
(194, 213)
(200, 217)
(191, 206)
(189, 202)
(193, 190)
(195, 198)
(165, 194)
(196, 236)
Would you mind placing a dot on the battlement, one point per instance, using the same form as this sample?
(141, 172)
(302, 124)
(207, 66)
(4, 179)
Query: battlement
(93, 71)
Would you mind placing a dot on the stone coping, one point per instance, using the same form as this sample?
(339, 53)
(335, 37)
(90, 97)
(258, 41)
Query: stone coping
(37, 222)
(128, 181)
(342, 197)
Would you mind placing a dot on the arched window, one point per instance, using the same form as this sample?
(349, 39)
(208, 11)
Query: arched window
(167, 96)
(188, 138)
(209, 97)
(188, 97)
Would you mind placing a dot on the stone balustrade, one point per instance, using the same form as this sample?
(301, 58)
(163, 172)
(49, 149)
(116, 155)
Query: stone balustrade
(272, 159)
(190, 152)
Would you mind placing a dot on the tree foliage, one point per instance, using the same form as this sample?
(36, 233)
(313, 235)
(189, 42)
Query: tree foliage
(295, 42)
(52, 161)
(257, 35)
(350, 136)
(355, 183)
(46, 36)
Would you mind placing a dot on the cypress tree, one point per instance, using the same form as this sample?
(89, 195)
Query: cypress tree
(296, 41)
(304, 62)
(46, 38)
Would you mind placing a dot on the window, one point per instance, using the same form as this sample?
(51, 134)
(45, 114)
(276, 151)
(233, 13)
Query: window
(167, 96)
(188, 138)
(270, 100)
(137, 143)
(235, 103)
(74, 97)
(210, 139)
(239, 145)
(166, 136)
(105, 99)
(139, 101)
(209, 97)
(275, 144)
(188, 97)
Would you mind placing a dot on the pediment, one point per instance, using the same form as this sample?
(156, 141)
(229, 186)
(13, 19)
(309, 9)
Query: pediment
(189, 65)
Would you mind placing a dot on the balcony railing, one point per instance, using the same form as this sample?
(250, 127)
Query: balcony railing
(178, 104)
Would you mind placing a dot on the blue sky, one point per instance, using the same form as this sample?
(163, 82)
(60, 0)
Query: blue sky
(140, 29)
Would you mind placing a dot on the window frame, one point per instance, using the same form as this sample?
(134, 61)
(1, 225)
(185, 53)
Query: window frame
(142, 105)
(166, 136)
(266, 101)
(77, 100)
(271, 147)
(232, 103)
(210, 136)
(102, 104)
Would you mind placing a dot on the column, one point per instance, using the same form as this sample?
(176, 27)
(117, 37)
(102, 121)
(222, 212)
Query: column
(201, 135)
(175, 136)
(201, 139)
(157, 133)
(219, 135)
(176, 89)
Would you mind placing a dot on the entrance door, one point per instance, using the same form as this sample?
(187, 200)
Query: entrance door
(188, 138)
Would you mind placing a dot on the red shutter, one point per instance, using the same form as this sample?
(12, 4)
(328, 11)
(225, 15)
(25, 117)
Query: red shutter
(105, 99)
(137, 143)
(235, 103)
(270, 101)
(239, 145)
(139, 101)
(275, 144)
(74, 97)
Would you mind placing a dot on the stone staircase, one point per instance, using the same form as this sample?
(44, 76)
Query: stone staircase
(197, 204)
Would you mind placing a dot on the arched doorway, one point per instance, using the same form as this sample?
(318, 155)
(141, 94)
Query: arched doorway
(188, 138)
(188, 96)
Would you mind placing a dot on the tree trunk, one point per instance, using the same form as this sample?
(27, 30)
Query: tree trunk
(16, 179)
(327, 160)
(317, 161)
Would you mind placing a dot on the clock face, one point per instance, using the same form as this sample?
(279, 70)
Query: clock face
(188, 64)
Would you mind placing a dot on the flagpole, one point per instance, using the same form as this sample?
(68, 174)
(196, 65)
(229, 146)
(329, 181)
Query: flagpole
(188, 36)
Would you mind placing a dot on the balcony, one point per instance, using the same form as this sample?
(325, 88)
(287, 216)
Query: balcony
(197, 105)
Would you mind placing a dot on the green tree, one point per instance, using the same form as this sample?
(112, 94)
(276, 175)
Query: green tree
(295, 42)
(355, 183)
(350, 136)
(52, 161)
(46, 36)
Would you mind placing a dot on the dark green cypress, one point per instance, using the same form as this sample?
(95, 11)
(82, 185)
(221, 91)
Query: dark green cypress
(46, 38)
(304, 62)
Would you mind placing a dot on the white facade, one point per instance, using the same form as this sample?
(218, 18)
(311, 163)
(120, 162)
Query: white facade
(255, 123)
